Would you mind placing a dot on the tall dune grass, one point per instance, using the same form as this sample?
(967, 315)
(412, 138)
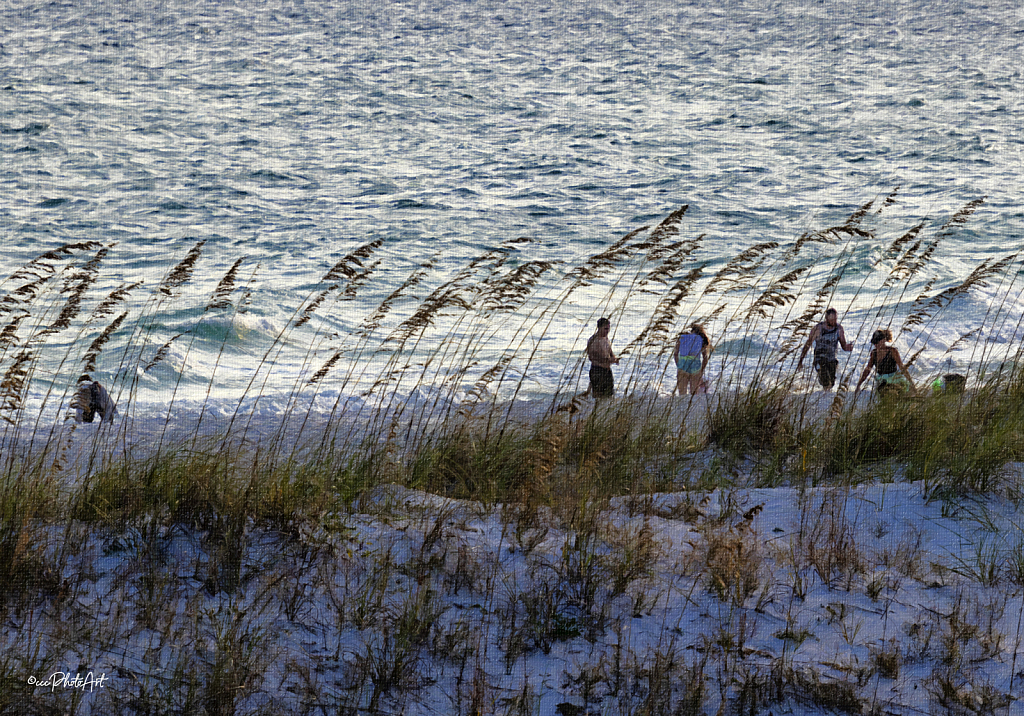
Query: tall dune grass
(429, 386)
(473, 337)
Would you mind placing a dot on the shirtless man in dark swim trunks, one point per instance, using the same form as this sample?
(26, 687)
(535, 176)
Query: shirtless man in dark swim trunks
(599, 351)
(826, 336)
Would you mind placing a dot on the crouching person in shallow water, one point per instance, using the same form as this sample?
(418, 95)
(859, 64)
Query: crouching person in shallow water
(891, 376)
(91, 399)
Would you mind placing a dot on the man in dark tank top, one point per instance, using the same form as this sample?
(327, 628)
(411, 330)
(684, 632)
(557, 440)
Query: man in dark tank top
(826, 337)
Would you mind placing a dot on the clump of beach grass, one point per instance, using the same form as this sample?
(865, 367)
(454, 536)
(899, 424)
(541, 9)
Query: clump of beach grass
(550, 477)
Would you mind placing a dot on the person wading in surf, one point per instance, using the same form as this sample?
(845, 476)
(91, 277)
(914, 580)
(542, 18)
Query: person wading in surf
(890, 373)
(826, 336)
(91, 399)
(599, 351)
(693, 350)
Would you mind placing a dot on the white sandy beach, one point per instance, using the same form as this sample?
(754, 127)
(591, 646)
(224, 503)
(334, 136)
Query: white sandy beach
(869, 598)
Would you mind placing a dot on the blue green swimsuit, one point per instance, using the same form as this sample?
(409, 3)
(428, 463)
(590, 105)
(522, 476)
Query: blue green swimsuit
(690, 364)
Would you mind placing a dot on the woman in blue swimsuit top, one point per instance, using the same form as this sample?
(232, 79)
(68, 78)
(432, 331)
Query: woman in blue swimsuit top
(691, 355)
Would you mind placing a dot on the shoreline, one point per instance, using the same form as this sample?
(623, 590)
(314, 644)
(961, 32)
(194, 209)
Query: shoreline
(147, 432)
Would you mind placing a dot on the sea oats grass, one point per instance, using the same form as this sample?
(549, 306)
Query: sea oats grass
(346, 267)
(736, 274)
(108, 305)
(226, 285)
(764, 286)
(76, 287)
(231, 530)
(161, 354)
(182, 271)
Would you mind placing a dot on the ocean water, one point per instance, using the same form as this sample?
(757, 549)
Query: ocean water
(287, 134)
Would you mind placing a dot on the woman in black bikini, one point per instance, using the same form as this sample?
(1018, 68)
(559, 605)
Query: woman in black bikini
(890, 373)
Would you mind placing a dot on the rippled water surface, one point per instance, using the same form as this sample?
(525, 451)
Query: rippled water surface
(290, 133)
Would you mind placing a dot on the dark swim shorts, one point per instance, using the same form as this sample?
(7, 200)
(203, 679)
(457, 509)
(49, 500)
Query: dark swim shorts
(602, 385)
(827, 373)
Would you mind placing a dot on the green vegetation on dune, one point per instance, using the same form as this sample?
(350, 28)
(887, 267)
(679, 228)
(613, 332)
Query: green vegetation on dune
(546, 472)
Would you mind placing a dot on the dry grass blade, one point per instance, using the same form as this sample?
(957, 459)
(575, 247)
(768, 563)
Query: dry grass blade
(183, 271)
(65, 446)
(359, 280)
(71, 309)
(743, 265)
(668, 228)
(905, 266)
(225, 286)
(911, 262)
(856, 217)
(22, 296)
(320, 374)
(897, 245)
(479, 389)
(77, 286)
(960, 217)
(963, 337)
(118, 295)
(662, 321)
(97, 345)
(160, 354)
(924, 291)
(777, 294)
(590, 269)
(573, 406)
(713, 315)
(673, 257)
(90, 268)
(916, 308)
(310, 309)
(373, 322)
(454, 378)
(889, 200)
(344, 268)
(924, 258)
(14, 383)
(497, 257)
(44, 262)
(979, 277)
(835, 410)
(9, 335)
(385, 377)
(919, 263)
(424, 316)
(850, 228)
(916, 355)
(510, 291)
